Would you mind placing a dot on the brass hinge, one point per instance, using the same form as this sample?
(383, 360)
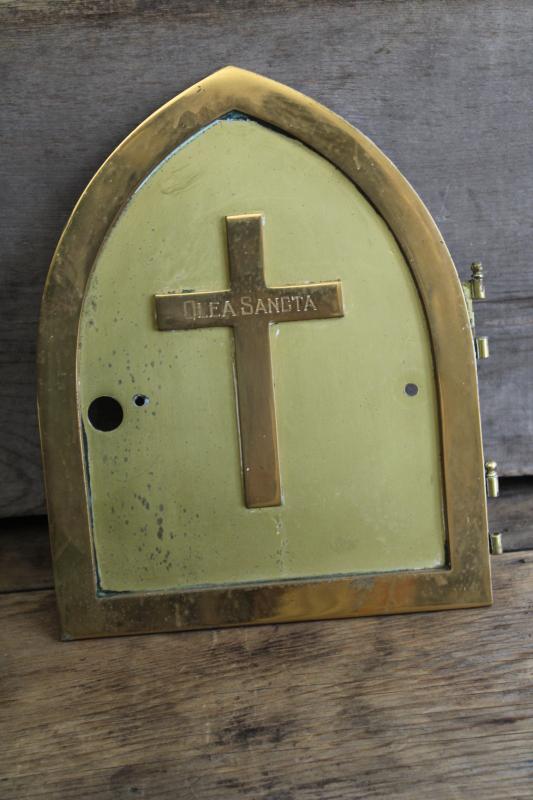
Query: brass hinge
(491, 475)
(474, 289)
(492, 484)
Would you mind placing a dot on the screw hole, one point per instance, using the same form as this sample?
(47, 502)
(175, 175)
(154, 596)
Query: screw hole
(141, 400)
(411, 389)
(105, 413)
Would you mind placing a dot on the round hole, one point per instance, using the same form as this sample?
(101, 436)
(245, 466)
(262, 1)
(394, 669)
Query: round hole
(141, 400)
(411, 389)
(105, 413)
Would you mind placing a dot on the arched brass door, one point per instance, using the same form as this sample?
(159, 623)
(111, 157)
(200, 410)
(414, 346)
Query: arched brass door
(268, 382)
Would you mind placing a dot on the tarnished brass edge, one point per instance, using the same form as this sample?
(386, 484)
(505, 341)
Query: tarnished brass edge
(467, 583)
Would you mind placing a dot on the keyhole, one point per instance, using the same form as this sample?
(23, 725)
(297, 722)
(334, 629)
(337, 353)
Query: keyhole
(105, 413)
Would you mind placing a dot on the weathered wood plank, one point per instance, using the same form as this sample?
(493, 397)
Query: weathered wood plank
(431, 705)
(442, 87)
(25, 560)
(512, 514)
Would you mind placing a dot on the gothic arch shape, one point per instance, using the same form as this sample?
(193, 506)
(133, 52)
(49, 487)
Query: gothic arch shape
(465, 581)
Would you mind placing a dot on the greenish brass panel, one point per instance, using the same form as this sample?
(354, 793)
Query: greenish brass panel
(359, 457)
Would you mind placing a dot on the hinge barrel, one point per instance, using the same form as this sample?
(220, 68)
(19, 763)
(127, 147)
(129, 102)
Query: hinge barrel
(493, 483)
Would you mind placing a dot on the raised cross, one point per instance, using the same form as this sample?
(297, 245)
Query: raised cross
(249, 306)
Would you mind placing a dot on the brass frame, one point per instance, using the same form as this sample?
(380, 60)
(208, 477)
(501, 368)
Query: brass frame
(466, 579)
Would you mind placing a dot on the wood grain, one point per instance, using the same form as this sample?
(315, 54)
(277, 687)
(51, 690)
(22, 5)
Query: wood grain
(432, 705)
(25, 560)
(512, 514)
(442, 87)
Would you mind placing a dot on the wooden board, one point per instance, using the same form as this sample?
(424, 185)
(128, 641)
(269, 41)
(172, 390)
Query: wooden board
(512, 514)
(25, 559)
(431, 705)
(442, 87)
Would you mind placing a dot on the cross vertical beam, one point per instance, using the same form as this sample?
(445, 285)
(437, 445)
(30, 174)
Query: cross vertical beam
(253, 365)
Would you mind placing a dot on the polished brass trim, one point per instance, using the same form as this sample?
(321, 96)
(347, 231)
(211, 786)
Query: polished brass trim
(250, 307)
(466, 579)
